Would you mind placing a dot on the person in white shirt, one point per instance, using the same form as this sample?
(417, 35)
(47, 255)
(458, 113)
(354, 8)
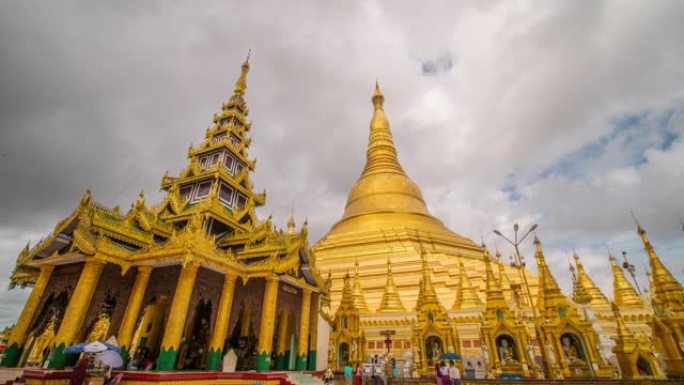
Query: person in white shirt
(454, 373)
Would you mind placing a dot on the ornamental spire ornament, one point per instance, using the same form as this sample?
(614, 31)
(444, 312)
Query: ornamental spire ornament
(624, 294)
(390, 298)
(359, 299)
(667, 291)
(587, 285)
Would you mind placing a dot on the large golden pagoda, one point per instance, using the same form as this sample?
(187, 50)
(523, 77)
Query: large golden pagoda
(386, 219)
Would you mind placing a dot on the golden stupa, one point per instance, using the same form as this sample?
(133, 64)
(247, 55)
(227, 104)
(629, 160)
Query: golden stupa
(385, 221)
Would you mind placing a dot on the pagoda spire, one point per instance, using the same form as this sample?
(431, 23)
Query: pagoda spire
(624, 294)
(359, 299)
(241, 83)
(504, 280)
(466, 296)
(551, 298)
(667, 291)
(390, 301)
(586, 284)
(381, 155)
(426, 292)
(347, 301)
(548, 287)
(495, 297)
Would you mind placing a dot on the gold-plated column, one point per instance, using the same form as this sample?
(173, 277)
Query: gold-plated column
(282, 342)
(304, 319)
(222, 320)
(313, 330)
(76, 310)
(19, 334)
(133, 309)
(177, 316)
(268, 309)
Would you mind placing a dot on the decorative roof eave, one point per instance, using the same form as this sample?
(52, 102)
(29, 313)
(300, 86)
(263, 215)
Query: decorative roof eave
(300, 283)
(214, 172)
(208, 146)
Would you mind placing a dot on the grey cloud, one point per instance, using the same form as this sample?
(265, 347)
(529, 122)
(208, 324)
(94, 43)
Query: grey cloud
(111, 95)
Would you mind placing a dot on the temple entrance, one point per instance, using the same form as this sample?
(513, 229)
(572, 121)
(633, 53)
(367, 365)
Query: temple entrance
(506, 349)
(147, 336)
(193, 352)
(643, 367)
(243, 340)
(433, 349)
(342, 355)
(573, 348)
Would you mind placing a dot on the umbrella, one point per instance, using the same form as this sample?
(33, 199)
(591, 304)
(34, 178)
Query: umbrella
(450, 356)
(94, 347)
(111, 358)
(80, 348)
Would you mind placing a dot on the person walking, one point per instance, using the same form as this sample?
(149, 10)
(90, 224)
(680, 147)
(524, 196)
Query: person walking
(454, 373)
(328, 376)
(348, 371)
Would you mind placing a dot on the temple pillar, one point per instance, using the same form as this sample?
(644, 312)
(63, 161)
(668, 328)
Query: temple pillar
(133, 309)
(304, 319)
(76, 310)
(268, 309)
(17, 339)
(313, 331)
(222, 320)
(177, 316)
(283, 341)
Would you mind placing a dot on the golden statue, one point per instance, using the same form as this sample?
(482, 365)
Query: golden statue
(41, 346)
(100, 329)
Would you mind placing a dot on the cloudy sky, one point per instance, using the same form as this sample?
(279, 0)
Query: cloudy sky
(568, 114)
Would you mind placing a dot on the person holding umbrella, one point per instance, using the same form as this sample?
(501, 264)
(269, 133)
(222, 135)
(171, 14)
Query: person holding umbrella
(454, 373)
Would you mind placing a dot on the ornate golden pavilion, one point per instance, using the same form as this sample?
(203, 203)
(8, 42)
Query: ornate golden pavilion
(179, 282)
(395, 268)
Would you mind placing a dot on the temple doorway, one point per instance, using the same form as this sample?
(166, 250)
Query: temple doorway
(194, 356)
(343, 355)
(243, 340)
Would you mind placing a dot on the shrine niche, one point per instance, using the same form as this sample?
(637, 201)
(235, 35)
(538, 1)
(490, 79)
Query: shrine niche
(434, 348)
(573, 349)
(507, 349)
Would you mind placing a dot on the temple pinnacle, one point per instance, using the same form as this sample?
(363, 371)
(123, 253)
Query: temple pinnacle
(241, 83)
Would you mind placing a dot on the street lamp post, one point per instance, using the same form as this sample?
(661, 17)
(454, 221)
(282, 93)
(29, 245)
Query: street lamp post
(631, 269)
(519, 262)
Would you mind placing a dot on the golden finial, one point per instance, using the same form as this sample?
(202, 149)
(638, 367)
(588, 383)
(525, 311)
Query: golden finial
(241, 83)
(378, 99)
(291, 222)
